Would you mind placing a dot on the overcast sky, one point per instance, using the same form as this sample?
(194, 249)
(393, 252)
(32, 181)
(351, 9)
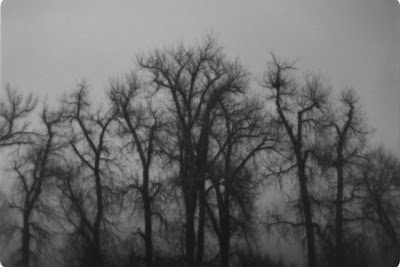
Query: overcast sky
(47, 45)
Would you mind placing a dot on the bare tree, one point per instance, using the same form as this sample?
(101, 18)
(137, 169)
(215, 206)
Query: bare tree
(298, 109)
(240, 133)
(14, 109)
(141, 124)
(194, 79)
(34, 169)
(345, 136)
(379, 192)
(90, 142)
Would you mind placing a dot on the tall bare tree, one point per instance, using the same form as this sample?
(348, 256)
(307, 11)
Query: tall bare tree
(193, 79)
(34, 169)
(90, 142)
(298, 109)
(240, 133)
(345, 132)
(141, 124)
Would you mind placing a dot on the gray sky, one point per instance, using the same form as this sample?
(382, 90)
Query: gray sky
(47, 45)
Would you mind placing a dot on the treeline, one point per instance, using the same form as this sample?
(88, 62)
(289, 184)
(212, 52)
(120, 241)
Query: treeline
(167, 169)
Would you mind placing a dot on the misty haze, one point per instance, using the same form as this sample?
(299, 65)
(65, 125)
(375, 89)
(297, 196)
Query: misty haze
(184, 134)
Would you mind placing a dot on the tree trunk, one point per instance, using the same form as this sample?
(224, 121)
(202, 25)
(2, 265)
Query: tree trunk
(224, 243)
(339, 215)
(147, 221)
(25, 241)
(200, 230)
(224, 240)
(201, 164)
(190, 202)
(307, 216)
(99, 216)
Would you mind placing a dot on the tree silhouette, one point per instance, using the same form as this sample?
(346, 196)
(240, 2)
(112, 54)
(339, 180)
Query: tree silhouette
(298, 109)
(345, 137)
(141, 124)
(241, 133)
(88, 196)
(34, 170)
(14, 109)
(193, 79)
